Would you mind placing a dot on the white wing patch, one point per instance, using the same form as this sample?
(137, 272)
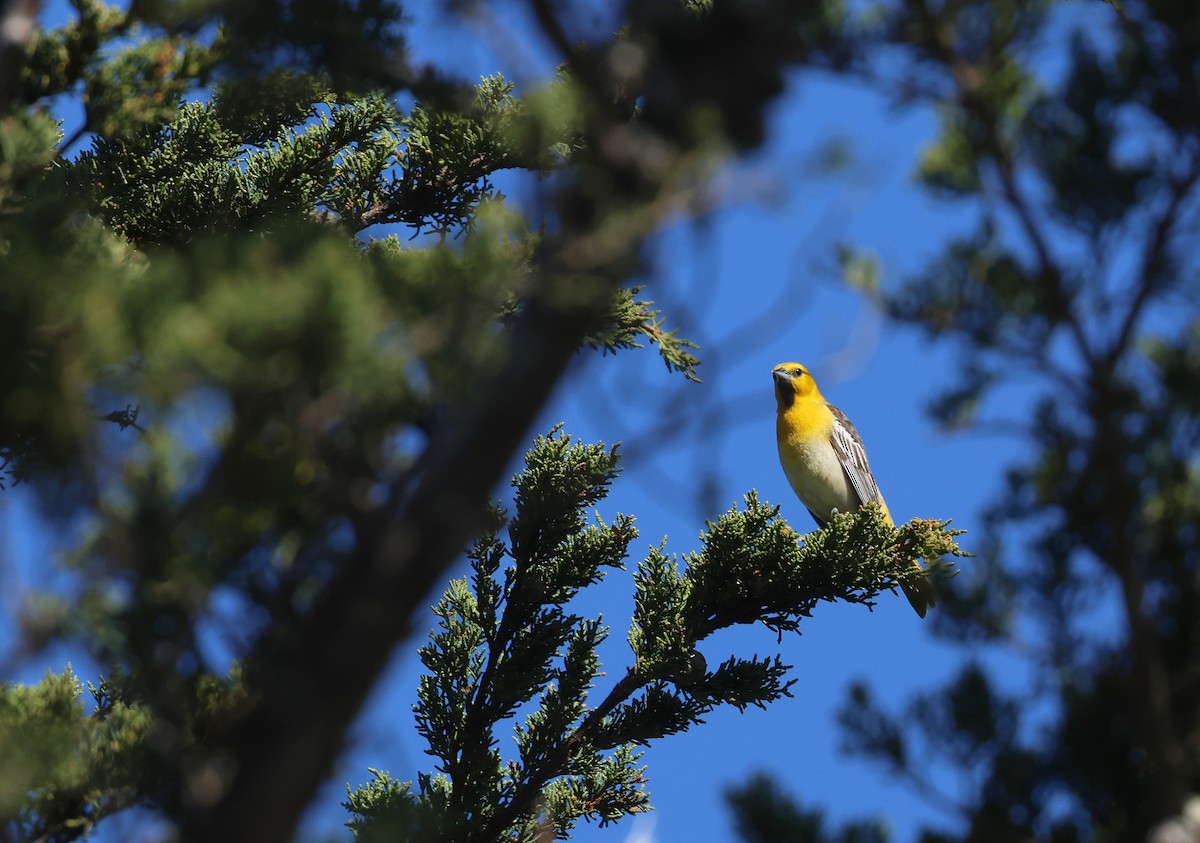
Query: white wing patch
(849, 448)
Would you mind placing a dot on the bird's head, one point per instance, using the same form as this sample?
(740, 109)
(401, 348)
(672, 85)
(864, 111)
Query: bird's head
(793, 381)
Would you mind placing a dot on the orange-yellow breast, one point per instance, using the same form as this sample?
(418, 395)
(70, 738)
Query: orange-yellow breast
(809, 461)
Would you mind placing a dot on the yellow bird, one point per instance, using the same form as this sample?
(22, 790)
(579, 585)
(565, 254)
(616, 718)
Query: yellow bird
(824, 460)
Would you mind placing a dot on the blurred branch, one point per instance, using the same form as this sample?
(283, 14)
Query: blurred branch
(1108, 467)
(552, 28)
(968, 78)
(17, 22)
(1153, 268)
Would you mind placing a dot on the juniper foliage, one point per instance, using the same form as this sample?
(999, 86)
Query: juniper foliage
(509, 654)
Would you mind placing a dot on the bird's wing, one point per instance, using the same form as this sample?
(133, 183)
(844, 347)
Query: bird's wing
(849, 449)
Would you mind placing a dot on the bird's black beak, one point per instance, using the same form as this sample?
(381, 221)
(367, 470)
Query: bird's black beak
(784, 393)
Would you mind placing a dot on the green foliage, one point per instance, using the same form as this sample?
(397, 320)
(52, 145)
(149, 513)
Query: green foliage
(763, 813)
(66, 770)
(446, 160)
(503, 640)
(386, 810)
(358, 45)
(296, 152)
(760, 815)
(632, 317)
(27, 146)
(949, 163)
(507, 648)
(58, 60)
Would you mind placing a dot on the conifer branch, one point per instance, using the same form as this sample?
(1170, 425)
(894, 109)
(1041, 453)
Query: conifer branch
(505, 637)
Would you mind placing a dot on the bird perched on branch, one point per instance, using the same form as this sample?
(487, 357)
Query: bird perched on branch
(824, 460)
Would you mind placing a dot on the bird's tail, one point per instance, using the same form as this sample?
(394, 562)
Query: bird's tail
(920, 593)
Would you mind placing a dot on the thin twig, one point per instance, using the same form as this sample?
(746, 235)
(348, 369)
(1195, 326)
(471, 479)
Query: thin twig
(1151, 276)
(536, 779)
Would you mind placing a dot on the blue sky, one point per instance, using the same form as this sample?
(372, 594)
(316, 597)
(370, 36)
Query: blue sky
(755, 284)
